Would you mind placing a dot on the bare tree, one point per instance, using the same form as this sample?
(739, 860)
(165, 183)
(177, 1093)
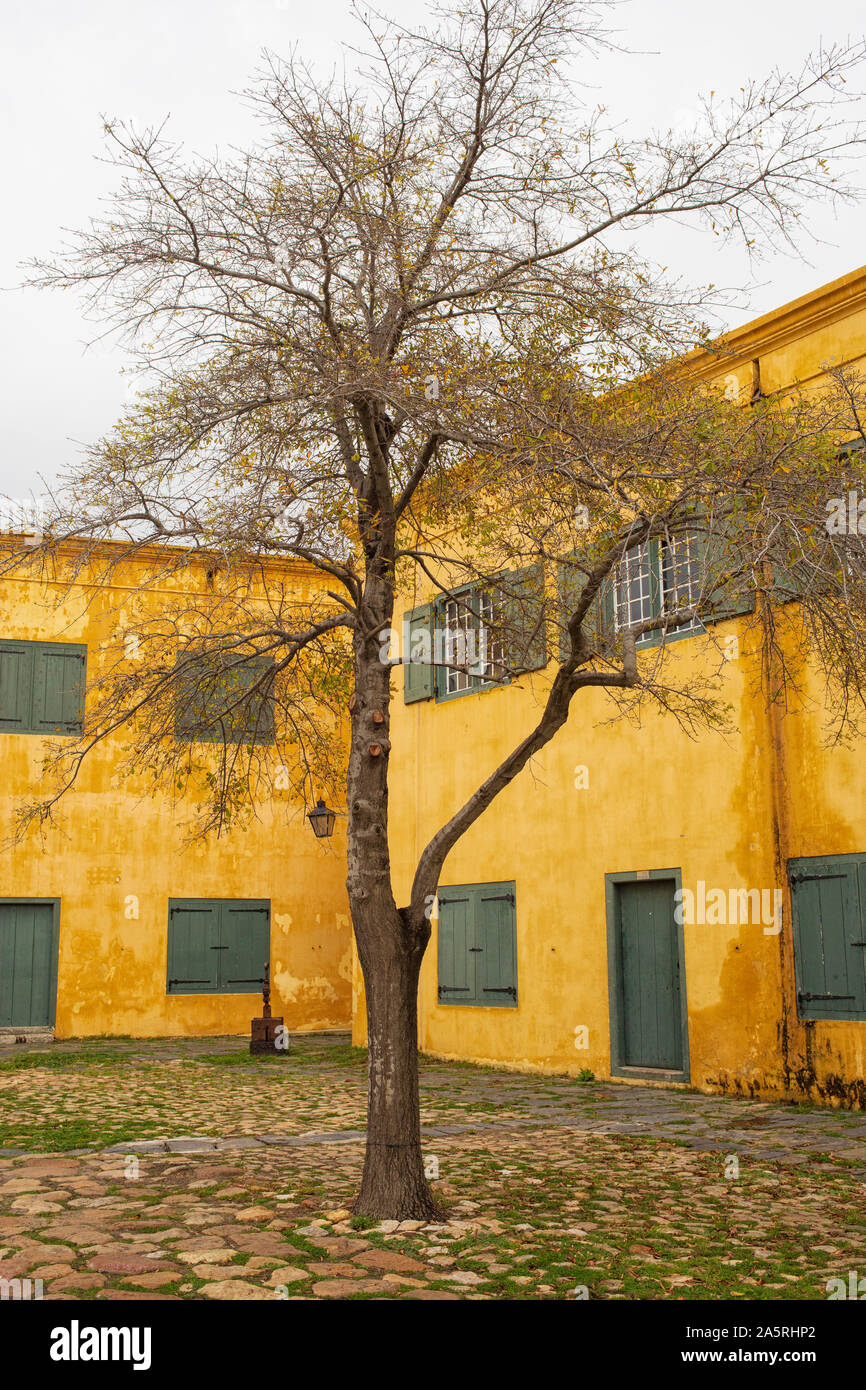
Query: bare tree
(397, 339)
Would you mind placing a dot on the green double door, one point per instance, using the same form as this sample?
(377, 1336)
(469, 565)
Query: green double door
(650, 996)
(28, 963)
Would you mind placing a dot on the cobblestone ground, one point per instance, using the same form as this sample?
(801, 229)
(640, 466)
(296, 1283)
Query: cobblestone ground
(187, 1169)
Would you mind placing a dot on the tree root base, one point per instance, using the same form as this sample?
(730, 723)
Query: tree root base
(410, 1207)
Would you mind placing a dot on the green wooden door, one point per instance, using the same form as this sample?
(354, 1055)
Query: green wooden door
(650, 983)
(28, 963)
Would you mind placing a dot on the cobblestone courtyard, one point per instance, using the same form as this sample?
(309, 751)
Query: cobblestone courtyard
(188, 1169)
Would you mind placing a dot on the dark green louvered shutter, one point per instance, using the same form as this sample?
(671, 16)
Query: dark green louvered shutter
(718, 556)
(193, 946)
(16, 685)
(418, 669)
(245, 946)
(599, 621)
(206, 708)
(604, 613)
(457, 960)
(569, 584)
(828, 899)
(523, 618)
(790, 577)
(58, 689)
(496, 936)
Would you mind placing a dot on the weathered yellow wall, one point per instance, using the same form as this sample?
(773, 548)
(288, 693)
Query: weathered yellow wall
(116, 841)
(730, 811)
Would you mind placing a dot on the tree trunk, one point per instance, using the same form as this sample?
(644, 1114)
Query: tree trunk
(393, 1185)
(391, 946)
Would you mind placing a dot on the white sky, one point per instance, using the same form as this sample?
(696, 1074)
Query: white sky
(64, 65)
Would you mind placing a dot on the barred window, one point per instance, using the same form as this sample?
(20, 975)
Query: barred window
(657, 579)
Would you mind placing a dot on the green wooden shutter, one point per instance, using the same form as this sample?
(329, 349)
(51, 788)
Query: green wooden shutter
(496, 936)
(245, 946)
(569, 584)
(418, 669)
(457, 969)
(717, 555)
(254, 720)
(790, 578)
(523, 618)
(477, 945)
(16, 685)
(193, 946)
(599, 621)
(206, 694)
(58, 689)
(828, 899)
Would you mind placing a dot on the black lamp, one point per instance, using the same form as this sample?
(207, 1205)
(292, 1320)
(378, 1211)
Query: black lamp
(322, 820)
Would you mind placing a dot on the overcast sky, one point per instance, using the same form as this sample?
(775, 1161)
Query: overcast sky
(65, 65)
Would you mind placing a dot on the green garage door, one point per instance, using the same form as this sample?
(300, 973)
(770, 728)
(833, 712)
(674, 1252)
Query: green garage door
(28, 962)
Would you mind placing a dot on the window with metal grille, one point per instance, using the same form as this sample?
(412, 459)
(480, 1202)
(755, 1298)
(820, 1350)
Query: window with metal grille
(472, 647)
(634, 588)
(680, 586)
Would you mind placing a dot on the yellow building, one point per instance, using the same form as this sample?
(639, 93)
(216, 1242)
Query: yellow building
(111, 923)
(556, 944)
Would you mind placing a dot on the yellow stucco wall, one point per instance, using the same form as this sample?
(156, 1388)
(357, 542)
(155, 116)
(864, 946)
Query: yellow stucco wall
(726, 810)
(119, 850)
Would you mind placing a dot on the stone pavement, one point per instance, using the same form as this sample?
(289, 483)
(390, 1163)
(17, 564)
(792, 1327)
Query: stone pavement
(187, 1169)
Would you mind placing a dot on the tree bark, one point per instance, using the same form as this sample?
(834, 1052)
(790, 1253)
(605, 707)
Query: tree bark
(393, 1184)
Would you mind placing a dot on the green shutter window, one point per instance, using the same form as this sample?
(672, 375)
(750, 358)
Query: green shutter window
(569, 586)
(598, 625)
(217, 946)
(42, 687)
(245, 940)
(58, 691)
(477, 945)
(193, 947)
(16, 685)
(225, 700)
(495, 935)
(484, 633)
(523, 618)
(456, 961)
(790, 578)
(829, 910)
(725, 596)
(418, 670)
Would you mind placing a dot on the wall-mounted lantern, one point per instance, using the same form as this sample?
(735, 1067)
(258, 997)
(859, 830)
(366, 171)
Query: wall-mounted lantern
(322, 819)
